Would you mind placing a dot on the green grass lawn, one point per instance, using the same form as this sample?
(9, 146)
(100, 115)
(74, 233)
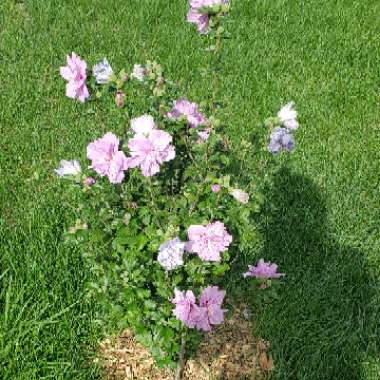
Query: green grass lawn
(322, 212)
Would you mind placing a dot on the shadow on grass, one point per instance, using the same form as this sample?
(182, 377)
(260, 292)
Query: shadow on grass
(326, 323)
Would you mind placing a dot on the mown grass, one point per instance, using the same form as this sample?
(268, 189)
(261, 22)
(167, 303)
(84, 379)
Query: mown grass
(322, 211)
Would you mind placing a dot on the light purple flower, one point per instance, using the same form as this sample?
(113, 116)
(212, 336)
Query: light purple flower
(66, 167)
(143, 125)
(204, 135)
(281, 139)
(185, 310)
(240, 195)
(215, 188)
(150, 151)
(138, 72)
(102, 71)
(210, 308)
(106, 158)
(201, 18)
(170, 255)
(208, 241)
(263, 270)
(288, 116)
(75, 74)
(189, 110)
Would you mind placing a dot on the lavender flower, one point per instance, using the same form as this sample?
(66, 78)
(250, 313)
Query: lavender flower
(71, 168)
(281, 139)
(170, 255)
(102, 71)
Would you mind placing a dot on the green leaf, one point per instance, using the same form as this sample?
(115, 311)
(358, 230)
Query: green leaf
(220, 270)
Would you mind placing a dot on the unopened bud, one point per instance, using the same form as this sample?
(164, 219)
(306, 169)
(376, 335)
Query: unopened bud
(120, 99)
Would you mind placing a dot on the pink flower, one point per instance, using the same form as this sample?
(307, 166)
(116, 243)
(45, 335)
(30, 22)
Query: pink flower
(189, 110)
(149, 151)
(199, 18)
(208, 241)
(186, 310)
(210, 311)
(263, 270)
(75, 74)
(106, 158)
(215, 188)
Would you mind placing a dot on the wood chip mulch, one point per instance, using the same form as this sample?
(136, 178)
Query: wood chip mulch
(229, 353)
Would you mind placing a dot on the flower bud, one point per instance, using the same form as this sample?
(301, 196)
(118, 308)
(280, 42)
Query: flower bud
(132, 205)
(120, 99)
(215, 188)
(89, 181)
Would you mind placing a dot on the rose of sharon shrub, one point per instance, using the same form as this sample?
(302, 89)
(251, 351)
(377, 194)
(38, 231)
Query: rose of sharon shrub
(165, 221)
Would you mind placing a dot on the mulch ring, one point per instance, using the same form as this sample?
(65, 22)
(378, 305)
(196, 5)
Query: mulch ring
(229, 353)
